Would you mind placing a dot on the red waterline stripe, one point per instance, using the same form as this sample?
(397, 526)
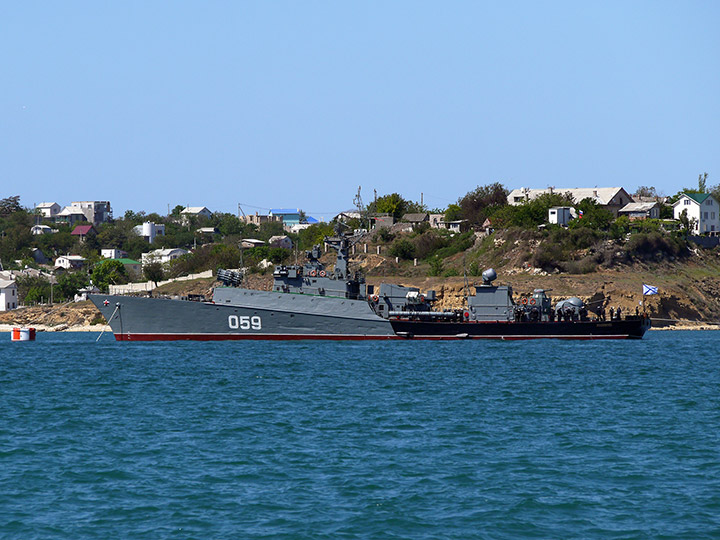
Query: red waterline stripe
(335, 337)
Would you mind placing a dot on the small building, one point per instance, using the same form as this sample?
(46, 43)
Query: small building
(82, 294)
(132, 267)
(436, 221)
(251, 243)
(96, 212)
(149, 230)
(259, 219)
(281, 242)
(37, 230)
(8, 295)
(209, 231)
(70, 262)
(194, 212)
(416, 219)
(163, 255)
(38, 256)
(70, 215)
(381, 221)
(702, 207)
(560, 215)
(640, 210)
(112, 253)
(82, 231)
(48, 210)
(347, 215)
(289, 216)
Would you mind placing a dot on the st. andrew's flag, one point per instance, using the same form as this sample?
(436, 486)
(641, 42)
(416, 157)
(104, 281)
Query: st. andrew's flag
(649, 290)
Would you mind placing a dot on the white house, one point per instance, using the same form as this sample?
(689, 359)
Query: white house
(70, 215)
(48, 210)
(251, 243)
(194, 211)
(702, 207)
(149, 230)
(70, 261)
(641, 210)
(281, 242)
(8, 295)
(163, 255)
(611, 198)
(112, 253)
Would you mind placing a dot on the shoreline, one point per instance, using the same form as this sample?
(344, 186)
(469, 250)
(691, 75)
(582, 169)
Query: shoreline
(57, 328)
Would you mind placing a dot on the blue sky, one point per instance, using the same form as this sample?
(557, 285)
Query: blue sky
(296, 104)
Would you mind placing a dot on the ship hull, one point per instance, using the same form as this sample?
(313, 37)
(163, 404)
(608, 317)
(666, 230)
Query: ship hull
(630, 328)
(242, 315)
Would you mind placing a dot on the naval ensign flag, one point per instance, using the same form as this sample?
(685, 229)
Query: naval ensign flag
(649, 290)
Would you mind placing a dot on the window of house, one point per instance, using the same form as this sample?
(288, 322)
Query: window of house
(709, 202)
(712, 215)
(705, 215)
(687, 202)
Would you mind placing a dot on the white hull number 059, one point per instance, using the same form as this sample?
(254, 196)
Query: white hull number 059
(244, 322)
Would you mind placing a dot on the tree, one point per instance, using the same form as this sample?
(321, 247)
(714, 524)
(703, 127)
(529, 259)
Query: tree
(176, 211)
(645, 191)
(453, 213)
(154, 272)
(109, 272)
(702, 183)
(479, 204)
(687, 223)
(392, 204)
(10, 205)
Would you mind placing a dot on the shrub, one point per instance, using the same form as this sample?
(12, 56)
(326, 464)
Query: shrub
(383, 234)
(428, 243)
(436, 266)
(402, 248)
(645, 245)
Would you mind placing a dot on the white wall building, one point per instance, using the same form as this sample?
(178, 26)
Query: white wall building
(8, 295)
(611, 198)
(703, 208)
(112, 253)
(48, 210)
(163, 255)
(194, 211)
(149, 230)
(70, 261)
(560, 215)
(281, 242)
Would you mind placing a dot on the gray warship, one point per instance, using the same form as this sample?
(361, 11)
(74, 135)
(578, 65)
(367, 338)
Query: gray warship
(307, 301)
(491, 313)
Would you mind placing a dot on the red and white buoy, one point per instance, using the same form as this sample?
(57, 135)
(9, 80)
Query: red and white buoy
(23, 334)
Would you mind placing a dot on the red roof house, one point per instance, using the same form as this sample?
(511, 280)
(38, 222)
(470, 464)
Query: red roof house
(82, 231)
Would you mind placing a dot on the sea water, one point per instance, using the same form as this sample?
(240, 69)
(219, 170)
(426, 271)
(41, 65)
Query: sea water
(410, 439)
